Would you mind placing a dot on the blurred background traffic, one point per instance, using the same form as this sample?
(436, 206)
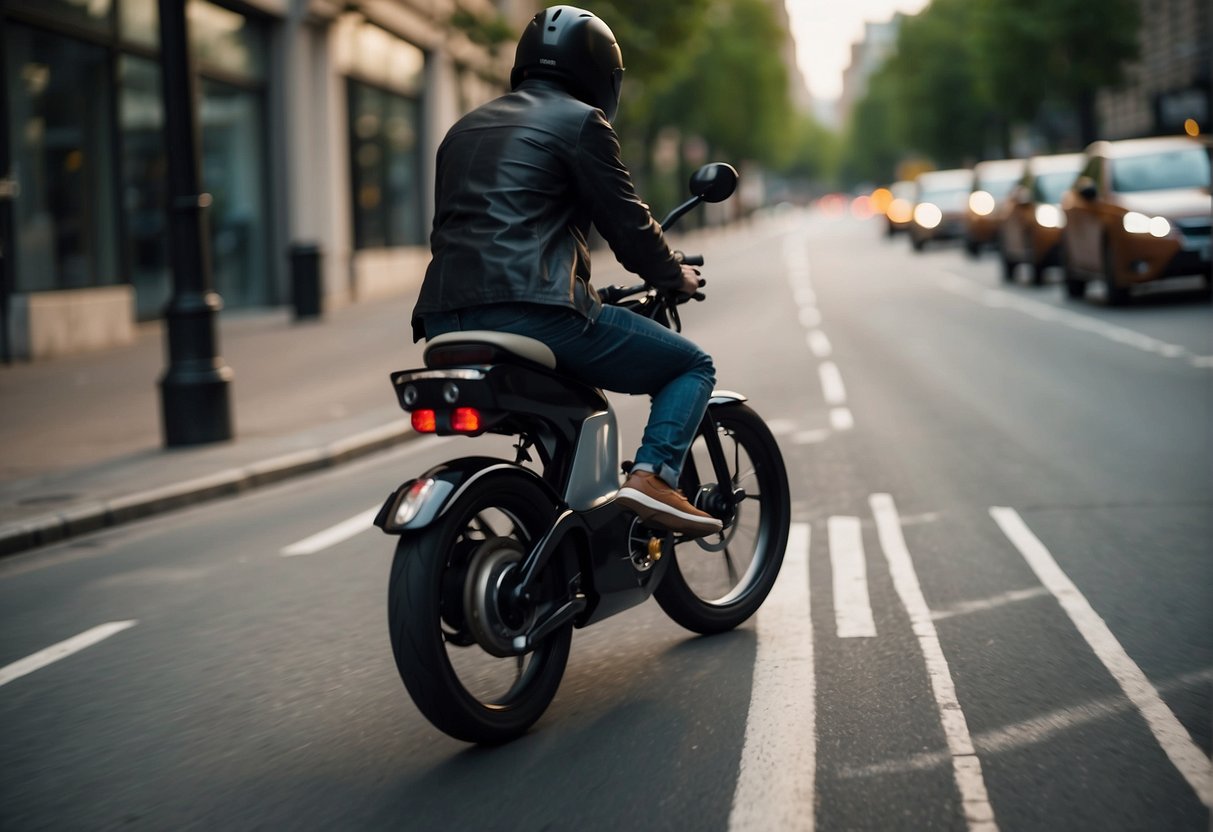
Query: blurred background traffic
(1000, 123)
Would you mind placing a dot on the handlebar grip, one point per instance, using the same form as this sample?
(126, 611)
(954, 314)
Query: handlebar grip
(692, 259)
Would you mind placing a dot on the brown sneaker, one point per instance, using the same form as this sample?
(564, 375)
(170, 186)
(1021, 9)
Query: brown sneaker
(659, 505)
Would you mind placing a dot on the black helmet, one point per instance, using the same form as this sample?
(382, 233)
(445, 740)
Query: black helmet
(576, 48)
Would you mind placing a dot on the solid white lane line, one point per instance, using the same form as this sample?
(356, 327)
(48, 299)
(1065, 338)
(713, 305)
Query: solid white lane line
(998, 299)
(819, 344)
(333, 535)
(1170, 733)
(831, 383)
(62, 650)
(852, 609)
(841, 418)
(776, 782)
(966, 768)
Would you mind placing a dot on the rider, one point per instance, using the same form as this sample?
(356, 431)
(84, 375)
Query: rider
(519, 182)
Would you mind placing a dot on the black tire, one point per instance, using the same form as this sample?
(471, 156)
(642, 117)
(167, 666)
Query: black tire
(1075, 287)
(1117, 295)
(972, 248)
(1038, 274)
(462, 689)
(1008, 269)
(917, 243)
(703, 589)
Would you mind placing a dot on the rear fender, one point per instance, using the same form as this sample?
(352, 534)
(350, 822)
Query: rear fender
(419, 502)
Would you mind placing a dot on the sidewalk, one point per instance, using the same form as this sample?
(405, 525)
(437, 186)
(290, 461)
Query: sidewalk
(81, 435)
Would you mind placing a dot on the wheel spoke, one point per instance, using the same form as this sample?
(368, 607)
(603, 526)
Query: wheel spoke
(730, 566)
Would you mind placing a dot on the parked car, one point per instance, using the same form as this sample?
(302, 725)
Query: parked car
(941, 200)
(900, 211)
(1031, 229)
(1138, 212)
(992, 181)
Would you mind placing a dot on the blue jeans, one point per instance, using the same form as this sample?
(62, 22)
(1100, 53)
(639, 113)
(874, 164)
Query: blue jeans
(620, 351)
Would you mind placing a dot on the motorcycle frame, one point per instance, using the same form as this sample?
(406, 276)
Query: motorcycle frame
(572, 428)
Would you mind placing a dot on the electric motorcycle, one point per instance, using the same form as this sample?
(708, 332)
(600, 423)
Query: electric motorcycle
(499, 560)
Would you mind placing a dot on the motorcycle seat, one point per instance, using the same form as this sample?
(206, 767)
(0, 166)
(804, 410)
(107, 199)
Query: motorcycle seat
(440, 350)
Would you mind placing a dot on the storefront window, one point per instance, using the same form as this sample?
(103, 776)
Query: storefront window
(383, 141)
(141, 116)
(233, 174)
(93, 15)
(139, 22)
(60, 128)
(225, 41)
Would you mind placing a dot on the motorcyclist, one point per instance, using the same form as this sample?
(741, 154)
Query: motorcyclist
(519, 182)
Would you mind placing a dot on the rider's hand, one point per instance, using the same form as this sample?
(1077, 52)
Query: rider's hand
(691, 281)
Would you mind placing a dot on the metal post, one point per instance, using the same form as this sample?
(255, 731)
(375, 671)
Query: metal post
(194, 399)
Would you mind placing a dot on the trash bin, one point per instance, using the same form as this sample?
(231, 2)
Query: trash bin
(305, 279)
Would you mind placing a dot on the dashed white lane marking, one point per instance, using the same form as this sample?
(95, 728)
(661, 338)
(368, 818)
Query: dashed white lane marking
(819, 344)
(333, 535)
(966, 768)
(1170, 733)
(841, 418)
(809, 317)
(998, 299)
(831, 383)
(62, 650)
(776, 783)
(852, 607)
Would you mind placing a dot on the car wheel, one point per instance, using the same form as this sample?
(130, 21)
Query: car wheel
(1008, 269)
(1075, 286)
(1117, 295)
(917, 243)
(973, 248)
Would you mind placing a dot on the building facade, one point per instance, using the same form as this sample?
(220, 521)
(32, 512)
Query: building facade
(318, 121)
(1172, 81)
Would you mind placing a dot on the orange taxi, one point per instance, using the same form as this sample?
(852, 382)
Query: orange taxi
(1031, 231)
(992, 181)
(1138, 212)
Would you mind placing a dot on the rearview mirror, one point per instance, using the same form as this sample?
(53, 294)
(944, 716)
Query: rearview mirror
(715, 182)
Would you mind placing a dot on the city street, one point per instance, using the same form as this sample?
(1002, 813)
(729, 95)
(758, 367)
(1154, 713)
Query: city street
(994, 613)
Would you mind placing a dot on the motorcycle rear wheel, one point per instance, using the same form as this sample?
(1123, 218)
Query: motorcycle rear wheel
(461, 688)
(717, 582)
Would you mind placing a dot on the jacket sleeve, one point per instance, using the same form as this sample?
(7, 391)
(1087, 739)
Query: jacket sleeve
(618, 214)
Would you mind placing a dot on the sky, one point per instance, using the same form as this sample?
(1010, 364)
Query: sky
(824, 31)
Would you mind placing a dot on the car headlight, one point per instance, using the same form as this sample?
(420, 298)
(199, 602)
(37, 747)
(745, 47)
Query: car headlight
(981, 203)
(1136, 222)
(1049, 216)
(927, 214)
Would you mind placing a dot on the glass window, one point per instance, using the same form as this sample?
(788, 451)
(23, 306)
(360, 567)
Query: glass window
(385, 161)
(1162, 171)
(93, 15)
(224, 41)
(60, 133)
(233, 167)
(139, 22)
(1051, 186)
(141, 115)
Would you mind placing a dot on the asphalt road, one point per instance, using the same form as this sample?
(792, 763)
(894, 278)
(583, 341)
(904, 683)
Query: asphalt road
(1005, 502)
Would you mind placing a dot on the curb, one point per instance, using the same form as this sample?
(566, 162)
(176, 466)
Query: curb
(90, 517)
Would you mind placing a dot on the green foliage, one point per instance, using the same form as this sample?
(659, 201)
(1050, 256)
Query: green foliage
(965, 71)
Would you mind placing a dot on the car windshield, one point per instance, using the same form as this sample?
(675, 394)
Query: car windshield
(997, 188)
(1050, 186)
(1161, 171)
(951, 199)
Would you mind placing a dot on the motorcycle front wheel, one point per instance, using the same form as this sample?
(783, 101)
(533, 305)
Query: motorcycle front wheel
(717, 582)
(463, 689)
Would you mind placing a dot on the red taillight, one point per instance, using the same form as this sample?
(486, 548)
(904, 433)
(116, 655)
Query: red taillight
(465, 420)
(425, 421)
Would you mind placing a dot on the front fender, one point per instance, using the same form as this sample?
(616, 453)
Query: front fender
(418, 502)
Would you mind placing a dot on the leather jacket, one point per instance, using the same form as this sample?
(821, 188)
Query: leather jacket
(519, 182)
